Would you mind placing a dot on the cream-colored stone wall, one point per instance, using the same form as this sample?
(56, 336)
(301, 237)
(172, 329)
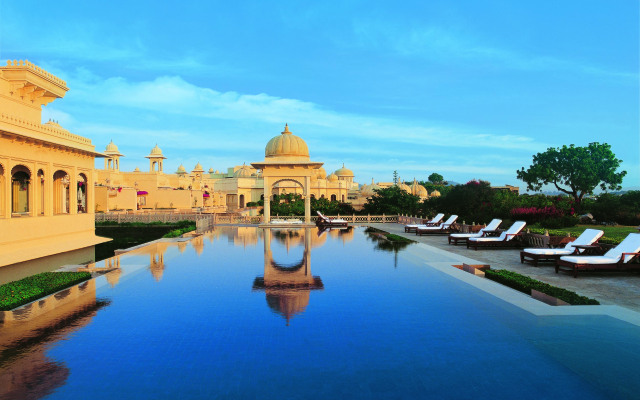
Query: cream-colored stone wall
(46, 173)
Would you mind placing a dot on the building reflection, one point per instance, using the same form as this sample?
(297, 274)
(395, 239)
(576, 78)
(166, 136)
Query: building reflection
(27, 333)
(288, 287)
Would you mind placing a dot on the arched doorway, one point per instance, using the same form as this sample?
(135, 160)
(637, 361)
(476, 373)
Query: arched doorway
(20, 189)
(61, 182)
(333, 197)
(241, 201)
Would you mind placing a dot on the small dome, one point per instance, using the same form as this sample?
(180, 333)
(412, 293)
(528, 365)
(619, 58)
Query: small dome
(198, 168)
(156, 151)
(418, 190)
(435, 193)
(136, 170)
(332, 177)
(244, 172)
(369, 190)
(286, 145)
(402, 186)
(321, 173)
(344, 172)
(111, 148)
(181, 170)
(211, 170)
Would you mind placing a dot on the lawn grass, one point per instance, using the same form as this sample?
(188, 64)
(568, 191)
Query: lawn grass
(17, 293)
(612, 234)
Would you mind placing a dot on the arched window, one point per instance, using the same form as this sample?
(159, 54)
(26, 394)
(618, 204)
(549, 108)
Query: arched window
(241, 201)
(20, 185)
(82, 193)
(262, 197)
(40, 187)
(313, 196)
(343, 198)
(333, 197)
(61, 199)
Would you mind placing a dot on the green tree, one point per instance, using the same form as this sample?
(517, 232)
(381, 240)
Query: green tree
(576, 171)
(392, 200)
(436, 178)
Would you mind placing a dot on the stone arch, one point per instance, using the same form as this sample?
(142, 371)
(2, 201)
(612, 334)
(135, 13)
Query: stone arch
(61, 192)
(20, 189)
(83, 193)
(304, 189)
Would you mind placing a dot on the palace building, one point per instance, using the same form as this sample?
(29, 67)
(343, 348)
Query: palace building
(46, 176)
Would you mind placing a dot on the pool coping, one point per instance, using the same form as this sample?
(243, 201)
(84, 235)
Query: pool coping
(509, 295)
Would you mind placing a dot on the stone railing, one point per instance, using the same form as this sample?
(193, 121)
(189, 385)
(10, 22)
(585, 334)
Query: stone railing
(206, 221)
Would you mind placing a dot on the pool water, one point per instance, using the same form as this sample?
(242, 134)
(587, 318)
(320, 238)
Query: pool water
(246, 313)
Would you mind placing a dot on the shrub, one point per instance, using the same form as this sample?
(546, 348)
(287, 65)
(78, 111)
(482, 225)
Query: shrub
(17, 293)
(524, 284)
(180, 231)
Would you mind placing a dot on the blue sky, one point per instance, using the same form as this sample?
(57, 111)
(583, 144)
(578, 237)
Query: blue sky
(468, 89)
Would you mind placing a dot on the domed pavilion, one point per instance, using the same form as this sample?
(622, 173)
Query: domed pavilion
(286, 159)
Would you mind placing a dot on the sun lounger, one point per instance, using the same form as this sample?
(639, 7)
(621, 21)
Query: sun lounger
(326, 221)
(433, 222)
(444, 227)
(505, 239)
(587, 238)
(617, 258)
(463, 237)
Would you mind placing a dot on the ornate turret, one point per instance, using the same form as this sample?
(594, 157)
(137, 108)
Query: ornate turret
(155, 159)
(112, 159)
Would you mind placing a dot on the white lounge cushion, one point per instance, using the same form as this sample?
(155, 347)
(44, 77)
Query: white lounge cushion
(444, 225)
(493, 225)
(590, 259)
(549, 252)
(588, 237)
(504, 236)
(630, 244)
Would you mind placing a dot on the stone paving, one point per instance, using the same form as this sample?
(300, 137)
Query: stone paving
(611, 288)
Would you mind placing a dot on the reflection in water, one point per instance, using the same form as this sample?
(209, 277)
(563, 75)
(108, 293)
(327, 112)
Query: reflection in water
(25, 370)
(287, 287)
(384, 244)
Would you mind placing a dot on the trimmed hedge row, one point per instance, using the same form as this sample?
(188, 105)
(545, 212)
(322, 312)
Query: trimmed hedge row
(17, 293)
(524, 284)
(177, 224)
(177, 232)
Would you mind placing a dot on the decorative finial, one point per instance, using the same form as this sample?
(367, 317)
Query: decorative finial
(372, 181)
(286, 129)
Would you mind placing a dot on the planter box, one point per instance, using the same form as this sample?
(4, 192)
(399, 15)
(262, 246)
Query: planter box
(477, 270)
(545, 298)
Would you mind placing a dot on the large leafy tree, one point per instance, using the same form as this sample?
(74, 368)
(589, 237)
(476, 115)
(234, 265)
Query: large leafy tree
(436, 178)
(392, 200)
(576, 171)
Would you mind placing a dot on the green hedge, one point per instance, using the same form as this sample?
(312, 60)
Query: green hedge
(390, 236)
(17, 293)
(524, 284)
(178, 232)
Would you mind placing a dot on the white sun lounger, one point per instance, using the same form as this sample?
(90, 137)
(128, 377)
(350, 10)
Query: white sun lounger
(617, 258)
(463, 237)
(588, 237)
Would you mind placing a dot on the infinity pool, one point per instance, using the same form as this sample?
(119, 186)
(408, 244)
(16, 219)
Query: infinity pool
(247, 313)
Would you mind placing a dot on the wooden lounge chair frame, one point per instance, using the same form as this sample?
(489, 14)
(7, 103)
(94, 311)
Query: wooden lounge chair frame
(619, 265)
(535, 258)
